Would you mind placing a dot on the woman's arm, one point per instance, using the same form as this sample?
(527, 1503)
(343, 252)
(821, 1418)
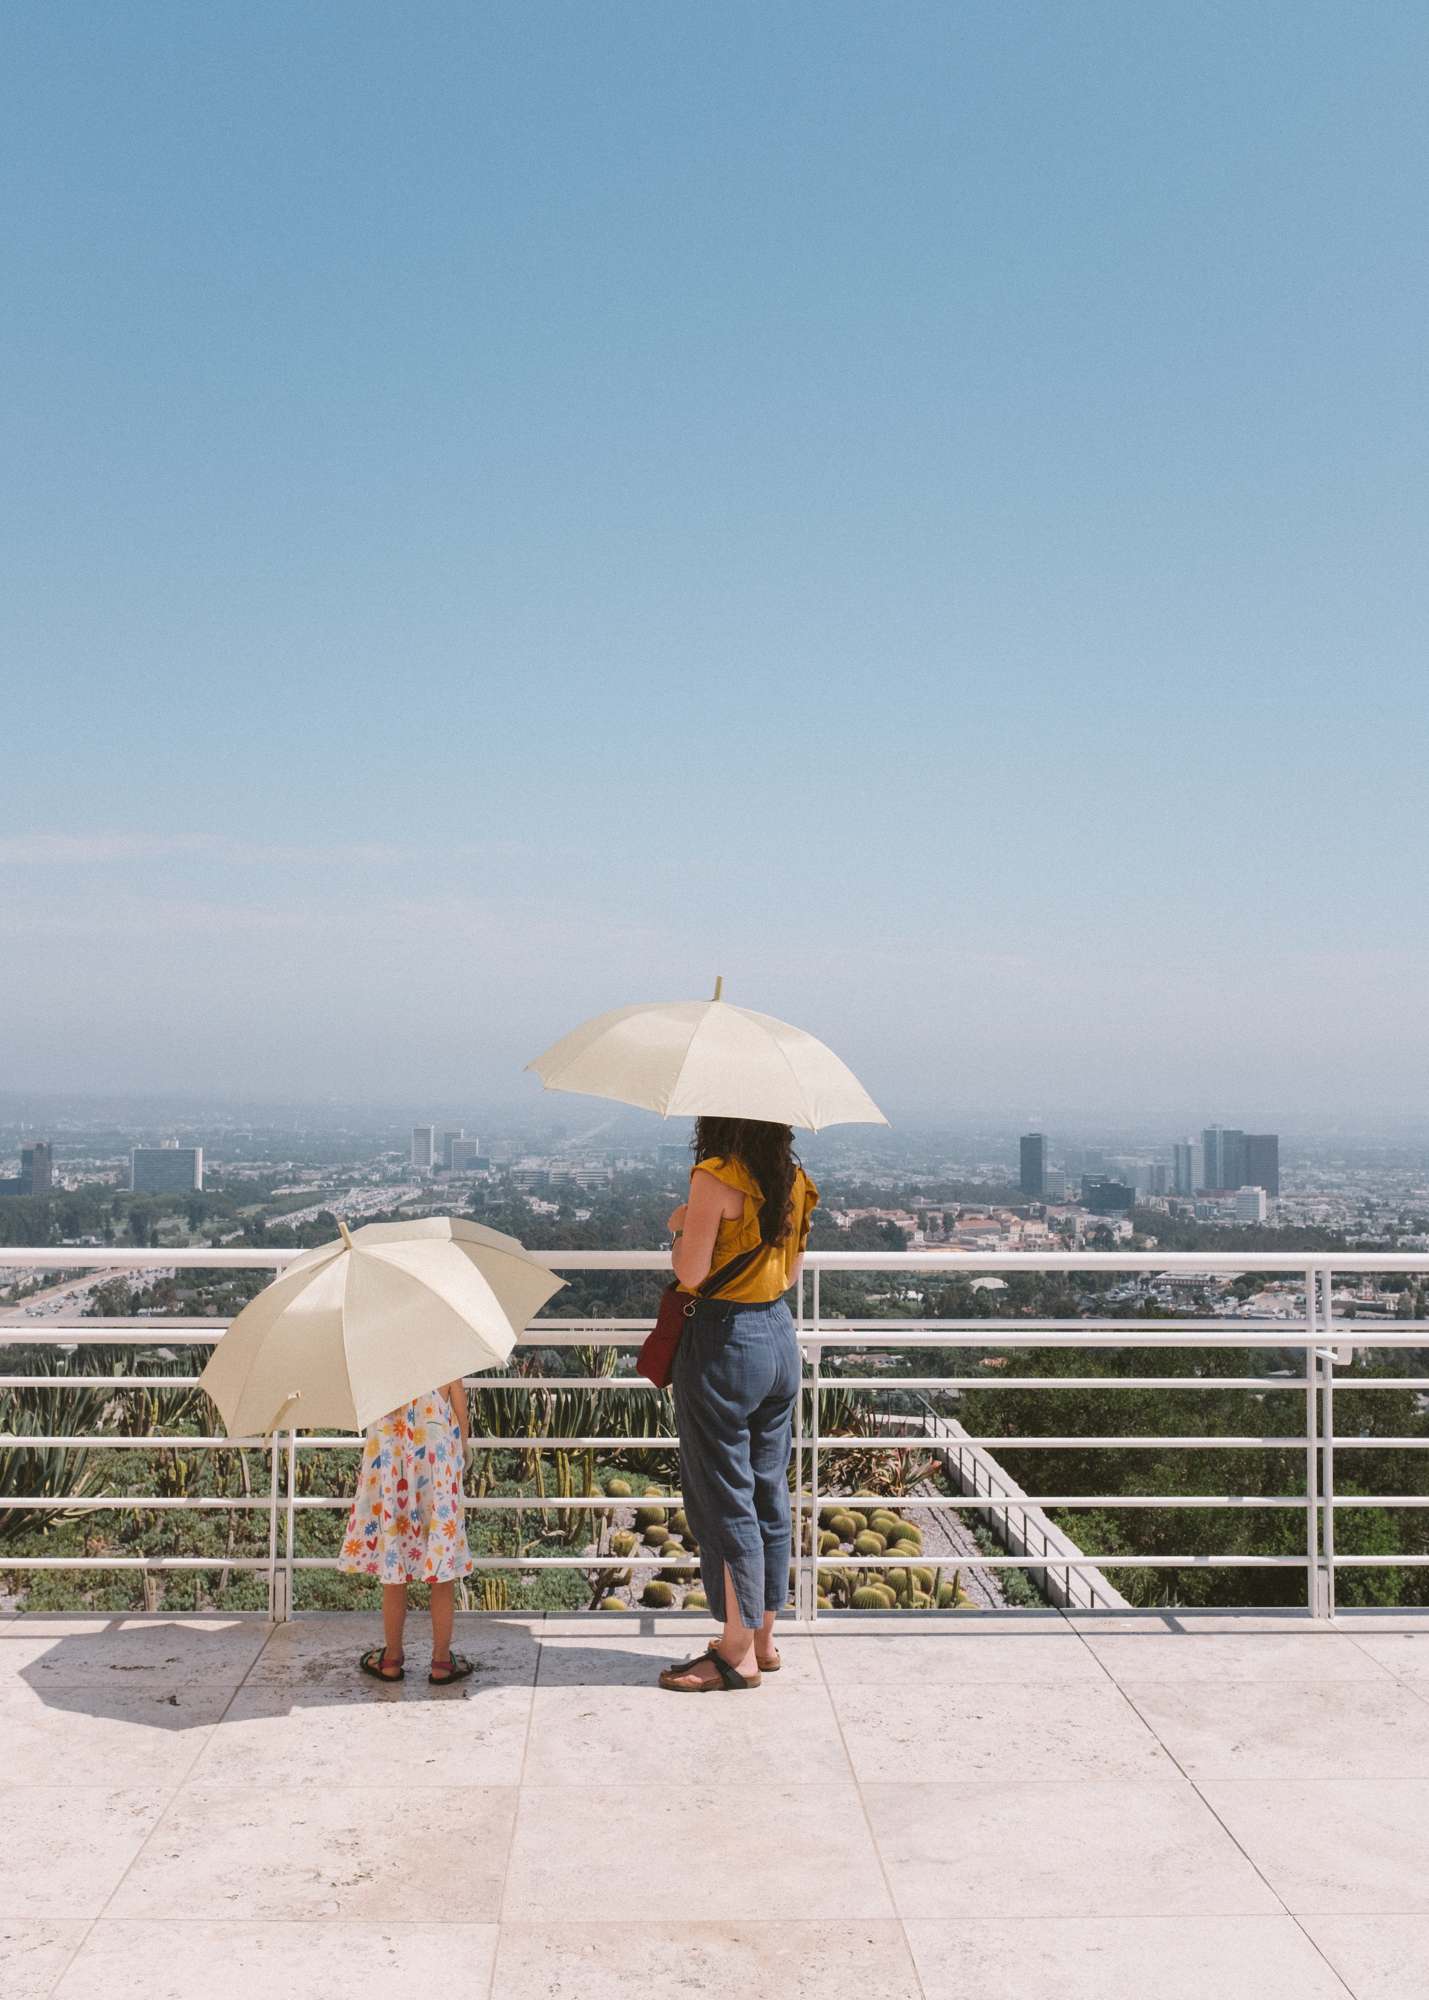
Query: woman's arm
(693, 1253)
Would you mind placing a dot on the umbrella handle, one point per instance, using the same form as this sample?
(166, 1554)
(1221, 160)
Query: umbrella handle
(283, 1408)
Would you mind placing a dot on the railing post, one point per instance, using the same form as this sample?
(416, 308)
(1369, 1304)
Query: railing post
(1314, 1591)
(816, 1400)
(1327, 1445)
(801, 1574)
(278, 1606)
(291, 1511)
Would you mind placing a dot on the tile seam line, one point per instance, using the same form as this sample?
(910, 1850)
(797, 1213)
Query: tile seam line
(868, 1823)
(516, 1809)
(199, 1749)
(1293, 1915)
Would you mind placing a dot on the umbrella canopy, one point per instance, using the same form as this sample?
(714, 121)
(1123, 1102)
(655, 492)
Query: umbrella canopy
(356, 1328)
(705, 1058)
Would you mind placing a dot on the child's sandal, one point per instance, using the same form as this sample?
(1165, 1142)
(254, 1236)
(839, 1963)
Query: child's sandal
(371, 1664)
(458, 1668)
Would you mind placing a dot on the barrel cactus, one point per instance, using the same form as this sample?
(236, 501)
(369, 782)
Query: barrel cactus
(653, 1492)
(824, 1603)
(828, 1542)
(843, 1525)
(868, 1597)
(613, 1604)
(659, 1596)
(650, 1517)
(680, 1522)
(657, 1536)
(623, 1543)
(618, 1489)
(869, 1544)
(695, 1600)
(896, 1579)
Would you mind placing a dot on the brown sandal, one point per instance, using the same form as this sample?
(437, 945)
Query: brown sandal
(729, 1682)
(765, 1666)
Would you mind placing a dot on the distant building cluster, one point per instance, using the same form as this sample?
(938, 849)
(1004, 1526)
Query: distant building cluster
(448, 1149)
(1228, 1174)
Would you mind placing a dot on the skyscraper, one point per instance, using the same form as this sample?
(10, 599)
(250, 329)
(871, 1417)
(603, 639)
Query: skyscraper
(36, 1168)
(1262, 1161)
(1223, 1165)
(1183, 1166)
(172, 1169)
(1033, 1150)
(444, 1142)
(424, 1140)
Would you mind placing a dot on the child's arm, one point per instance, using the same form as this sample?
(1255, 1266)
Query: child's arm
(455, 1393)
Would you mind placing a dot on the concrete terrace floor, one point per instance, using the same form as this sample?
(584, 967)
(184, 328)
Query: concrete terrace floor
(1016, 1806)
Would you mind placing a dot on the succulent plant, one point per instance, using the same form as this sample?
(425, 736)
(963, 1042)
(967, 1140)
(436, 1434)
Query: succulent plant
(613, 1604)
(623, 1543)
(843, 1525)
(680, 1522)
(660, 1596)
(828, 1542)
(947, 1596)
(695, 1600)
(869, 1544)
(657, 1536)
(922, 1601)
(618, 1489)
(908, 1550)
(824, 1603)
(868, 1597)
(924, 1577)
(653, 1492)
(828, 1515)
(896, 1579)
(650, 1517)
(890, 1597)
(675, 1573)
(860, 1521)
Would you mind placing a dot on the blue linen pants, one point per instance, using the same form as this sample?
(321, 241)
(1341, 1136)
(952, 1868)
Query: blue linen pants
(736, 1376)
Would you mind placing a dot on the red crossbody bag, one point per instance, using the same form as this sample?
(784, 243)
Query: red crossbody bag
(657, 1355)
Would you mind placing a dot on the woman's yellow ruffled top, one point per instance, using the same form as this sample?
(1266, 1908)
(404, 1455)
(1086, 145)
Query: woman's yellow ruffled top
(770, 1274)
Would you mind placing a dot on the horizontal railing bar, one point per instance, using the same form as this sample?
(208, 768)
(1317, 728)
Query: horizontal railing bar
(103, 1257)
(936, 1441)
(1291, 1384)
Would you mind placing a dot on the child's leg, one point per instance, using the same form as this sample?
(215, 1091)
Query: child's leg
(394, 1617)
(443, 1612)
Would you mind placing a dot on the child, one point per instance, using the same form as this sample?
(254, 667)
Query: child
(406, 1525)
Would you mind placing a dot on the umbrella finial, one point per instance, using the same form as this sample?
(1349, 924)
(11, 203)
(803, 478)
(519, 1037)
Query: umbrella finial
(345, 1233)
(719, 986)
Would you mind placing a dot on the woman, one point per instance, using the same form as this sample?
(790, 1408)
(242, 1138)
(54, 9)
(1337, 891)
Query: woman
(736, 1375)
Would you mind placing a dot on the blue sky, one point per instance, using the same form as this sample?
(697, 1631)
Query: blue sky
(919, 509)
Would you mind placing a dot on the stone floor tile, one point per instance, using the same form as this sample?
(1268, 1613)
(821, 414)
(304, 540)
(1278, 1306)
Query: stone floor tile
(1121, 1958)
(129, 1959)
(956, 1656)
(469, 1734)
(1288, 1729)
(1058, 1849)
(1353, 1846)
(1379, 1958)
(1000, 1730)
(1235, 1656)
(354, 1853)
(33, 1955)
(323, 1647)
(68, 1849)
(674, 1959)
(104, 1736)
(130, 1650)
(600, 1659)
(733, 1852)
(779, 1736)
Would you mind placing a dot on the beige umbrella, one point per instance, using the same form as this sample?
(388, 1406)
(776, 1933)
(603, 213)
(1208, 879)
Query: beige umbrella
(705, 1058)
(356, 1328)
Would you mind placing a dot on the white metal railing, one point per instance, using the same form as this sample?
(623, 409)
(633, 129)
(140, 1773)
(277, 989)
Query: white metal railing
(1322, 1341)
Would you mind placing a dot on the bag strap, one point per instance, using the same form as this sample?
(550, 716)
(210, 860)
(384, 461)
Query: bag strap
(726, 1273)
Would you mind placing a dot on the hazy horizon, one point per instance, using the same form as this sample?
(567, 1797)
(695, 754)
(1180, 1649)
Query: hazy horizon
(917, 511)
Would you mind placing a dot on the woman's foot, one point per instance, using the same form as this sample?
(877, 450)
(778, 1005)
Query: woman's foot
(711, 1673)
(766, 1655)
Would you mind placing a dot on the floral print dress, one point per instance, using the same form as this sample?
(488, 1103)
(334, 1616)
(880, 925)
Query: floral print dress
(406, 1521)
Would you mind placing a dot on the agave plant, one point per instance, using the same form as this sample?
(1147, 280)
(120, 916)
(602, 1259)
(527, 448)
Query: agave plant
(36, 1471)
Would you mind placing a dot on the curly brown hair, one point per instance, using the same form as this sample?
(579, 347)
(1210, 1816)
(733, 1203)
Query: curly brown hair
(766, 1152)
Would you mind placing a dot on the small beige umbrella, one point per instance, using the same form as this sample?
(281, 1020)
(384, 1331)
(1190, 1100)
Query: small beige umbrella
(356, 1328)
(705, 1058)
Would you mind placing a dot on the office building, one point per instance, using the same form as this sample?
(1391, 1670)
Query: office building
(1222, 1159)
(36, 1168)
(1107, 1197)
(467, 1157)
(1054, 1185)
(424, 1139)
(1033, 1150)
(1183, 1167)
(1250, 1204)
(1262, 1161)
(171, 1169)
(446, 1138)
